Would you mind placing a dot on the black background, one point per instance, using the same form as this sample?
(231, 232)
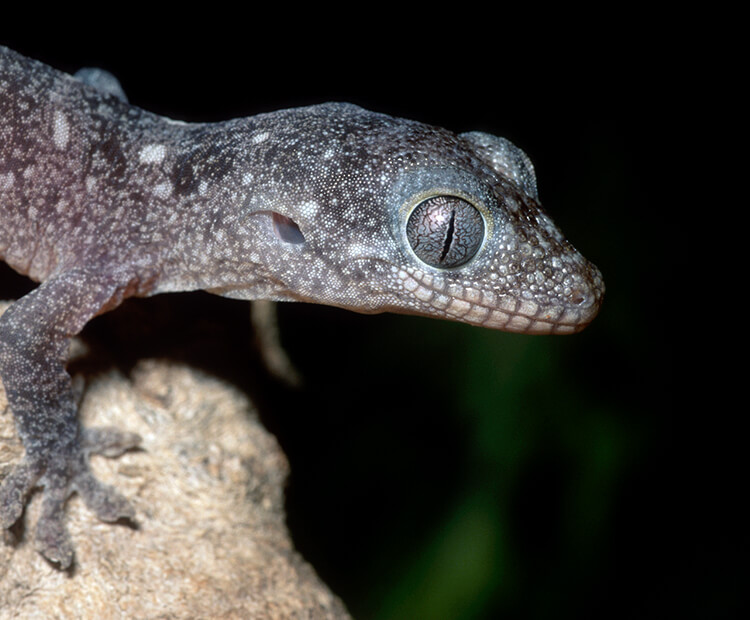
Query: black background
(440, 470)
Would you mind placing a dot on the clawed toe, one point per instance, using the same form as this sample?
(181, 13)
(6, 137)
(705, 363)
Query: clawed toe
(106, 503)
(15, 489)
(108, 441)
(51, 538)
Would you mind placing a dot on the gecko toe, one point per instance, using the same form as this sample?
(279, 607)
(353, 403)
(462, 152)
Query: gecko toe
(15, 489)
(53, 542)
(108, 441)
(51, 537)
(103, 500)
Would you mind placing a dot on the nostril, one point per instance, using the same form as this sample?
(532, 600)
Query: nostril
(578, 297)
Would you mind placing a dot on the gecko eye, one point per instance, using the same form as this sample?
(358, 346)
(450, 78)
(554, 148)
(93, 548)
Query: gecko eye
(445, 231)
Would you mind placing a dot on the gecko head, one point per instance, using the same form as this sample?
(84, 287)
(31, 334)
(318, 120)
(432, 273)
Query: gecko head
(471, 242)
(402, 217)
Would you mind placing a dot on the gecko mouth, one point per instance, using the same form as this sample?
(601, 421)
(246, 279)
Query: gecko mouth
(568, 314)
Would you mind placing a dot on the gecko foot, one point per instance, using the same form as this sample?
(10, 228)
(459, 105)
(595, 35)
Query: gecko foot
(62, 475)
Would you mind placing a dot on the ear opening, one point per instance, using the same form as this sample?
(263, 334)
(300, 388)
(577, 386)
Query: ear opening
(286, 229)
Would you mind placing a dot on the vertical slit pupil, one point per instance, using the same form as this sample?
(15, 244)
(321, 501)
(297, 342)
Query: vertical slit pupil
(448, 236)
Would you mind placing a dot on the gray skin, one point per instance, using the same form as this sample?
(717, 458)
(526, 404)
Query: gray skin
(330, 204)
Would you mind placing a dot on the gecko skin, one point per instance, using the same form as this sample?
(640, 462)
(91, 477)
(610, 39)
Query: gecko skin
(331, 204)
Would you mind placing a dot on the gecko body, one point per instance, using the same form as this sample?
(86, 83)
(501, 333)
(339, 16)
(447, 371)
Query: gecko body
(331, 204)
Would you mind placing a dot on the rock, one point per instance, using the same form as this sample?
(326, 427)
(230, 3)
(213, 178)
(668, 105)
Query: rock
(210, 539)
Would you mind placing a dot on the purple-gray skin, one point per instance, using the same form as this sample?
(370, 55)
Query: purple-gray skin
(331, 204)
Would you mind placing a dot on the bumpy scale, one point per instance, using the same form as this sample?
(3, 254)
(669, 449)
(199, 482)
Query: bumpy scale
(331, 204)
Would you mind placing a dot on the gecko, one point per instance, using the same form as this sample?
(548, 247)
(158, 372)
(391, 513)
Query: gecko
(330, 204)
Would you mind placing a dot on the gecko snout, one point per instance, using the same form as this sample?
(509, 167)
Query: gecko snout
(585, 296)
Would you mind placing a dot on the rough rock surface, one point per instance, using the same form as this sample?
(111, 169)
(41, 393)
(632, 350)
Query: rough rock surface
(210, 539)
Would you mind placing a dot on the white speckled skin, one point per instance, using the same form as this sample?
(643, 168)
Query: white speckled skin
(100, 200)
